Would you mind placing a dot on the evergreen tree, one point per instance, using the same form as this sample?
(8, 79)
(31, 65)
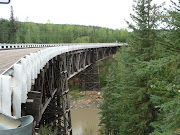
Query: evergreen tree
(142, 45)
(166, 76)
(134, 109)
(4, 31)
(146, 19)
(109, 119)
(13, 26)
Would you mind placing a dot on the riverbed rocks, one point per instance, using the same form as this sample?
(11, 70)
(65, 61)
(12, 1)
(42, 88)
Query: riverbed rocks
(87, 99)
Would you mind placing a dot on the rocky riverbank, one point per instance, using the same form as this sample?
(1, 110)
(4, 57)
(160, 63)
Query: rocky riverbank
(86, 99)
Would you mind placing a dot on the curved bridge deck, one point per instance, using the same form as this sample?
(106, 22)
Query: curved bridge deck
(9, 57)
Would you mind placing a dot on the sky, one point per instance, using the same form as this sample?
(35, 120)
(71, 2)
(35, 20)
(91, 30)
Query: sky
(103, 13)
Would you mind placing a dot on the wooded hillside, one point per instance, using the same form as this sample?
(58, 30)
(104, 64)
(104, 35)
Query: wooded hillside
(13, 31)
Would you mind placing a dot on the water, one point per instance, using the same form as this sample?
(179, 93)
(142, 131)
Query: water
(85, 121)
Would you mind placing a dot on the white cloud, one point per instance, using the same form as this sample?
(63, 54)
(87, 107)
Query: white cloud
(105, 13)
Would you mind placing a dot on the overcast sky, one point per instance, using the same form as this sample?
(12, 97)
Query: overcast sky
(104, 13)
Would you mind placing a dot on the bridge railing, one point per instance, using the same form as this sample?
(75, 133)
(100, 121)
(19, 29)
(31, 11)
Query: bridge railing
(15, 46)
(16, 81)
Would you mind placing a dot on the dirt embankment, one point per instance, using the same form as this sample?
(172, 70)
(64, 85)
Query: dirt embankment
(86, 99)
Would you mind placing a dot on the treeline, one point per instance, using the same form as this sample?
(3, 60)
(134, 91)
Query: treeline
(142, 95)
(13, 31)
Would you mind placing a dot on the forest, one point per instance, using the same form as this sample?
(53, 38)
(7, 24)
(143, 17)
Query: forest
(142, 95)
(142, 91)
(13, 31)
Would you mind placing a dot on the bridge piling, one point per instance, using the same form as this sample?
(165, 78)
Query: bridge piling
(89, 78)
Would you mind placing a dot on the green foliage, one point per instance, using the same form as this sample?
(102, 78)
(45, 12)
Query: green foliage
(13, 26)
(4, 31)
(101, 131)
(103, 68)
(84, 39)
(46, 130)
(75, 94)
(108, 119)
(166, 84)
(142, 92)
(28, 32)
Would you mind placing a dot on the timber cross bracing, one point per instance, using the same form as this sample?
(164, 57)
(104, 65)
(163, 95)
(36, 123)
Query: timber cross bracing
(38, 83)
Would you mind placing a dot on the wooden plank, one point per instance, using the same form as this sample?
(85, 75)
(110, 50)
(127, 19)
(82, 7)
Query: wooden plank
(34, 94)
(33, 108)
(47, 102)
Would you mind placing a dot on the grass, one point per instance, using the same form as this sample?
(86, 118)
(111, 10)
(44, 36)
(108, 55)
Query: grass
(46, 130)
(75, 94)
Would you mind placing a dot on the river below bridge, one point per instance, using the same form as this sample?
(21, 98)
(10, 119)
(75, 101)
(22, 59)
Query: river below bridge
(85, 121)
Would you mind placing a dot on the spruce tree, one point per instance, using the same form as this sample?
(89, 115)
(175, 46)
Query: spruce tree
(110, 108)
(141, 48)
(142, 45)
(145, 22)
(133, 108)
(166, 76)
(13, 26)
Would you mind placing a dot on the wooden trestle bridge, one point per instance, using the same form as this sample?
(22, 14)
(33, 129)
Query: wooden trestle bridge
(34, 79)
